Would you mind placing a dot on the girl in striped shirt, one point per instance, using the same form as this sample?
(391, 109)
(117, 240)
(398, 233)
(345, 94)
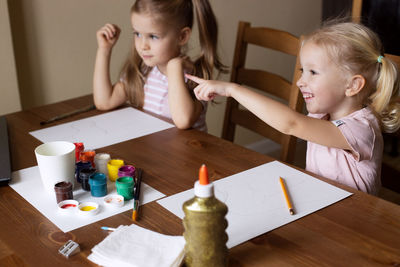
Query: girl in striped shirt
(153, 76)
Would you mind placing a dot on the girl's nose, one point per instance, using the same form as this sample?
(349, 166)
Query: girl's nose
(144, 44)
(300, 82)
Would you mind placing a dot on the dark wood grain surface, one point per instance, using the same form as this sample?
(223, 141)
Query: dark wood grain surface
(361, 230)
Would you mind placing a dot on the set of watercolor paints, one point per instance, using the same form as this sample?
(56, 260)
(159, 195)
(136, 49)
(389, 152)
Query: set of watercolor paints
(92, 170)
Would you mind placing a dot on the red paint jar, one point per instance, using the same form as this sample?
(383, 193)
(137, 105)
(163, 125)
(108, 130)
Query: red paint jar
(79, 147)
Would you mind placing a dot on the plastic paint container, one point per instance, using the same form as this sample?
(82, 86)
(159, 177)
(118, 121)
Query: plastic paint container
(79, 147)
(125, 187)
(80, 165)
(68, 206)
(63, 191)
(84, 175)
(126, 170)
(100, 160)
(114, 200)
(88, 208)
(98, 184)
(113, 166)
(88, 155)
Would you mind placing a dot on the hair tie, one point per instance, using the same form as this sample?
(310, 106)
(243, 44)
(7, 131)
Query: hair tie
(380, 59)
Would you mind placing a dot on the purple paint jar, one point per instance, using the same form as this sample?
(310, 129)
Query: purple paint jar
(126, 170)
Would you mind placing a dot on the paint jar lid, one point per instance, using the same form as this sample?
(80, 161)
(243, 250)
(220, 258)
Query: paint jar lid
(114, 200)
(97, 178)
(86, 172)
(126, 170)
(68, 206)
(88, 208)
(125, 181)
(63, 187)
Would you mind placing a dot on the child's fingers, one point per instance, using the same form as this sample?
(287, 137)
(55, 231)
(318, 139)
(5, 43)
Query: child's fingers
(204, 93)
(110, 31)
(194, 78)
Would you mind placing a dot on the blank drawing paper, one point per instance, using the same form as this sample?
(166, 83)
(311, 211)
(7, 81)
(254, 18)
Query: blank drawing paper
(105, 129)
(256, 203)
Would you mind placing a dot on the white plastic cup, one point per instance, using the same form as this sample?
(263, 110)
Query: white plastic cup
(56, 161)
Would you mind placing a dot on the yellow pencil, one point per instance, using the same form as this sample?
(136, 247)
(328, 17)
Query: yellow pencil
(289, 204)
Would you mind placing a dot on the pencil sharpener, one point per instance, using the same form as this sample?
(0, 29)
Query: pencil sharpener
(69, 248)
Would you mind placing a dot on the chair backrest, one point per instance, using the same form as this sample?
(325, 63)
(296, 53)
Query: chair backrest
(264, 81)
(356, 11)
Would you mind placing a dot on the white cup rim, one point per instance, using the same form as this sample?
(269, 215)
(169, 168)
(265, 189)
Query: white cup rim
(67, 147)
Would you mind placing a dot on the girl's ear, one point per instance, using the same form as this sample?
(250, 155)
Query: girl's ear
(356, 84)
(184, 36)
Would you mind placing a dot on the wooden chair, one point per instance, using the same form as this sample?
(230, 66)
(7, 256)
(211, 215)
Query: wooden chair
(264, 81)
(356, 11)
(390, 175)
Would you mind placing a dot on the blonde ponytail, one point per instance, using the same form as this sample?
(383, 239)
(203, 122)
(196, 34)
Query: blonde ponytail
(383, 100)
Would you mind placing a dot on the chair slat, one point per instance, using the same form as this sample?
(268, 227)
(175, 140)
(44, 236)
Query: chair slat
(265, 81)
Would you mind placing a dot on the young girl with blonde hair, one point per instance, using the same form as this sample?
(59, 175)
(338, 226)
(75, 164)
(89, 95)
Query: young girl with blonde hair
(350, 90)
(153, 75)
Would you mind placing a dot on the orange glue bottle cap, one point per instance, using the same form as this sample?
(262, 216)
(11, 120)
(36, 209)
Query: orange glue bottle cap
(203, 187)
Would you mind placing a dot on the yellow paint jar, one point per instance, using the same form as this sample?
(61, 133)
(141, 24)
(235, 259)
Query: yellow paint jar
(112, 167)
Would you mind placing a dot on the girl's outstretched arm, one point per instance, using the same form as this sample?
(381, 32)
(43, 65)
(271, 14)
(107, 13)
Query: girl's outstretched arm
(184, 109)
(106, 96)
(274, 113)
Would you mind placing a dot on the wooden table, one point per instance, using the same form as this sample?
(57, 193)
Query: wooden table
(361, 230)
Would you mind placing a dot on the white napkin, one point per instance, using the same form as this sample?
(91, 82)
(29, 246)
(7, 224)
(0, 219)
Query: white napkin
(135, 246)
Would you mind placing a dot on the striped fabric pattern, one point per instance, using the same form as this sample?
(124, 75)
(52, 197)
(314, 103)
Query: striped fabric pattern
(156, 98)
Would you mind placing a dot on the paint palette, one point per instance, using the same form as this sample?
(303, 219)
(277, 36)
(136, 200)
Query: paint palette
(114, 200)
(68, 206)
(88, 208)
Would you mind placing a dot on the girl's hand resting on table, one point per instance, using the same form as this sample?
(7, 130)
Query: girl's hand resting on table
(208, 89)
(107, 36)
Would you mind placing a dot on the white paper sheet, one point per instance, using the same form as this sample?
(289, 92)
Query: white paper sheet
(28, 184)
(105, 129)
(256, 203)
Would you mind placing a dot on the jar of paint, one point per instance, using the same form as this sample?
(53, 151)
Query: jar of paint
(100, 161)
(113, 167)
(125, 187)
(88, 155)
(126, 170)
(84, 176)
(98, 184)
(63, 191)
(80, 165)
(79, 147)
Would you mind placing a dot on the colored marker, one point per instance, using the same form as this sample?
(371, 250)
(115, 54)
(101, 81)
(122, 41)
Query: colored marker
(285, 193)
(108, 228)
(137, 195)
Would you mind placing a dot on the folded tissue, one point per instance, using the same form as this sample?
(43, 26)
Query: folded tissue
(136, 246)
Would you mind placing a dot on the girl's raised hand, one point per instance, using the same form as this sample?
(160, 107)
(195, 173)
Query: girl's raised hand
(108, 35)
(208, 89)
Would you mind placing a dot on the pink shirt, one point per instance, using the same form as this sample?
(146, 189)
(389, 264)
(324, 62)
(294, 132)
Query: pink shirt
(156, 98)
(360, 169)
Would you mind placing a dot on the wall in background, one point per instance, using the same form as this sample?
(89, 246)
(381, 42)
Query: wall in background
(55, 43)
(9, 100)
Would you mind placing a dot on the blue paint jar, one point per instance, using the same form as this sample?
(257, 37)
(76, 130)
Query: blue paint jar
(98, 184)
(84, 176)
(79, 166)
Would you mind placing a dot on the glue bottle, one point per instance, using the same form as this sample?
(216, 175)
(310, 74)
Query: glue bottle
(205, 225)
